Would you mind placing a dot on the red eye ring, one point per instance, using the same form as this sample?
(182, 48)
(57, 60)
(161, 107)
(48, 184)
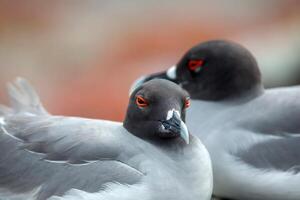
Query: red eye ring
(187, 102)
(141, 101)
(195, 65)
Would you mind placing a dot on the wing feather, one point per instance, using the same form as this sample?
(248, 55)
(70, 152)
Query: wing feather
(55, 153)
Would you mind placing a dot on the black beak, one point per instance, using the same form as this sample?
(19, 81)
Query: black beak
(174, 125)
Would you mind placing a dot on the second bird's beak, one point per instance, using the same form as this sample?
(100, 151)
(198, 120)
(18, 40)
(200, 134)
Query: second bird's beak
(175, 125)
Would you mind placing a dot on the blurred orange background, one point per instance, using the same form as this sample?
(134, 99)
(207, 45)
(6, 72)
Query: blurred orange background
(82, 56)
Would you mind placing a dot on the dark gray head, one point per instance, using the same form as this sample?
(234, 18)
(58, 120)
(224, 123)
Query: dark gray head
(215, 70)
(156, 111)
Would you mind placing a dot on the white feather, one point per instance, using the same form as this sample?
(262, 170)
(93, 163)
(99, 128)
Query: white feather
(2, 121)
(112, 191)
(170, 113)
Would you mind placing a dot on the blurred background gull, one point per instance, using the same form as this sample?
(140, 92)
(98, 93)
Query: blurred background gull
(82, 56)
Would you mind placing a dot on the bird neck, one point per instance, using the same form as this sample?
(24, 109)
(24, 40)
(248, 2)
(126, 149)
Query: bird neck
(227, 92)
(246, 95)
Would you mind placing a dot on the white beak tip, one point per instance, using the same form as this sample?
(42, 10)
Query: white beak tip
(184, 133)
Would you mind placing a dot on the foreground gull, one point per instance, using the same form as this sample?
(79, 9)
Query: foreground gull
(252, 134)
(150, 156)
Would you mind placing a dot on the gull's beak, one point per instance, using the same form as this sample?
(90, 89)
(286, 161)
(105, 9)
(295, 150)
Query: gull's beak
(184, 133)
(170, 75)
(175, 125)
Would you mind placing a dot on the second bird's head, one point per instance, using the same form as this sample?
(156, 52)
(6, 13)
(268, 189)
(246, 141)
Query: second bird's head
(156, 111)
(213, 70)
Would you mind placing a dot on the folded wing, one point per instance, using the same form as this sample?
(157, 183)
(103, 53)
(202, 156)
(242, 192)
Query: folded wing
(53, 154)
(277, 120)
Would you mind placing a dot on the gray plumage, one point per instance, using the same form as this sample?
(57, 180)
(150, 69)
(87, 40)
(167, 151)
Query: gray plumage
(44, 156)
(254, 145)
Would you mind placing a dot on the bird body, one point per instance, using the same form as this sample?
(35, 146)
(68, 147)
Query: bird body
(253, 145)
(60, 158)
(252, 134)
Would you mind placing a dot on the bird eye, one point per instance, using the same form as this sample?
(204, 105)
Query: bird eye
(141, 102)
(195, 65)
(187, 102)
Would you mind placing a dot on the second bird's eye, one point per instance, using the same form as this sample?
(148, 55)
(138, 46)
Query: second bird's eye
(195, 65)
(141, 101)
